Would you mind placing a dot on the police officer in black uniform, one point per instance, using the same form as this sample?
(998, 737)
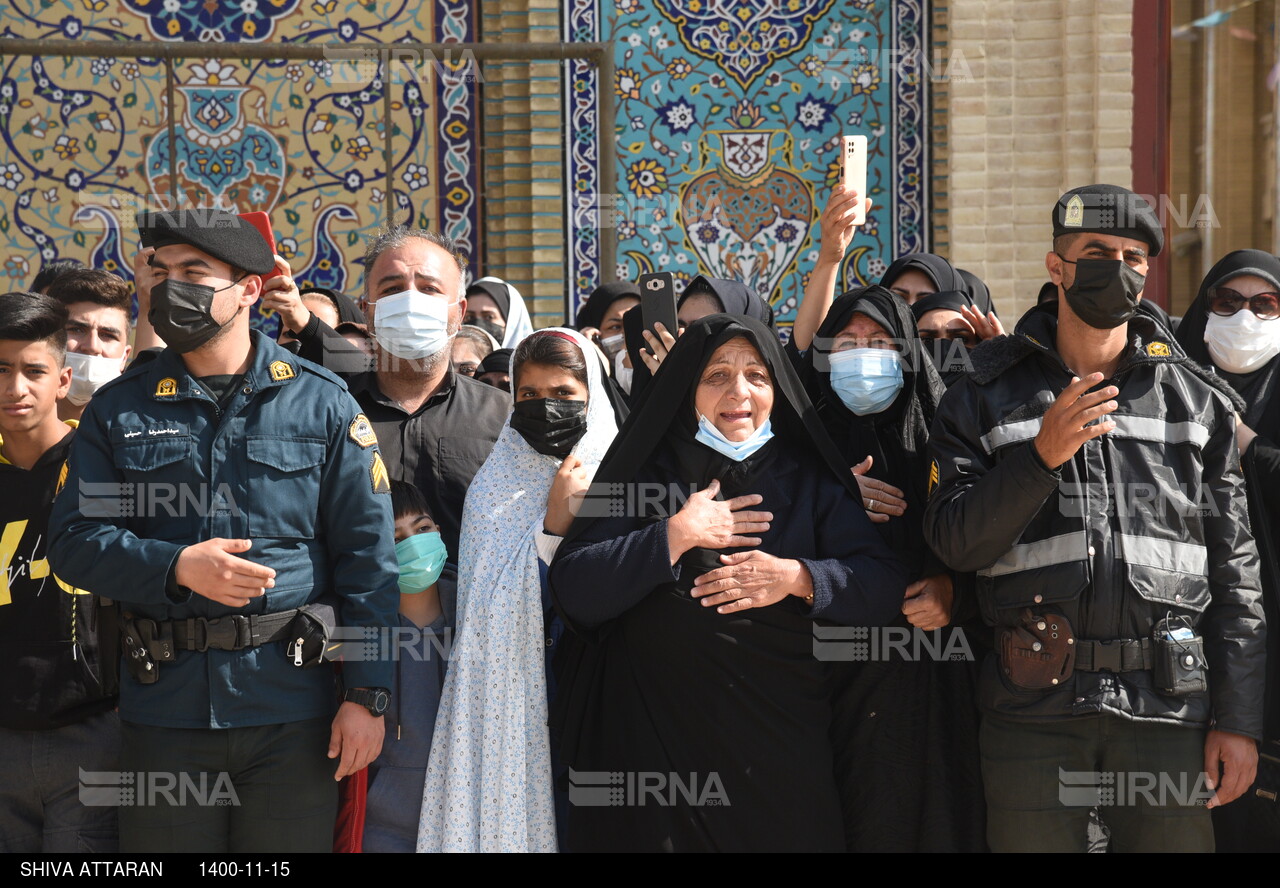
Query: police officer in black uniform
(220, 493)
(1088, 472)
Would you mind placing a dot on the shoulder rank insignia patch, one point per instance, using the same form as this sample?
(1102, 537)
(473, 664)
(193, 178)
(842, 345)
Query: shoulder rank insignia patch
(167, 388)
(378, 474)
(933, 477)
(361, 431)
(281, 370)
(1158, 350)
(1074, 215)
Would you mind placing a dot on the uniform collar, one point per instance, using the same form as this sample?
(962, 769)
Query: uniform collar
(1037, 333)
(1148, 342)
(169, 380)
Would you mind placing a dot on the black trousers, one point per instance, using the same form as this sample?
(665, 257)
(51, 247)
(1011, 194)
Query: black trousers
(1146, 779)
(1252, 822)
(264, 789)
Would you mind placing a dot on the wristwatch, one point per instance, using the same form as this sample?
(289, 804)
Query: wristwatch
(376, 700)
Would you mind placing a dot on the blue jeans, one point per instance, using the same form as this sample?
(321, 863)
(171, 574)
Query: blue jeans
(40, 807)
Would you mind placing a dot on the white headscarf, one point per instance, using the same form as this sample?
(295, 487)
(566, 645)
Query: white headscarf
(518, 324)
(488, 785)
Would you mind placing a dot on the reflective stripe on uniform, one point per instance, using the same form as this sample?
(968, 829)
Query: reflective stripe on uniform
(1190, 558)
(1010, 433)
(1150, 428)
(1142, 428)
(1064, 549)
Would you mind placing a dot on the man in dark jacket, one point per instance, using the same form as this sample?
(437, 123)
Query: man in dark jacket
(1088, 472)
(56, 699)
(435, 427)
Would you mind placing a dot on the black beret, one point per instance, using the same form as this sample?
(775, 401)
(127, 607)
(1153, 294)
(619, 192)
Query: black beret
(224, 236)
(1108, 209)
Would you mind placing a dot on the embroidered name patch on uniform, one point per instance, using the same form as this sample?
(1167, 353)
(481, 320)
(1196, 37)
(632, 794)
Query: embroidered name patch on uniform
(281, 370)
(1158, 350)
(378, 474)
(933, 477)
(167, 388)
(361, 431)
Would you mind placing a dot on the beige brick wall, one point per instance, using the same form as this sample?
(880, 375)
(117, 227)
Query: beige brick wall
(523, 200)
(1047, 105)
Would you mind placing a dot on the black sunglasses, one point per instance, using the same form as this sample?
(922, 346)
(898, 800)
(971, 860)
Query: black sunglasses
(1224, 302)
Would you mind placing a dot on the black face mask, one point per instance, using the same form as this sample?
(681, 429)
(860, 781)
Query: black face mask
(949, 356)
(1105, 292)
(549, 425)
(182, 314)
(493, 328)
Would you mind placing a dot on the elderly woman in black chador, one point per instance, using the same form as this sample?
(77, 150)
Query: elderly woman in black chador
(698, 666)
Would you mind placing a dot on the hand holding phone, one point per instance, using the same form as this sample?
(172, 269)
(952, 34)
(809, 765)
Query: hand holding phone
(853, 171)
(658, 301)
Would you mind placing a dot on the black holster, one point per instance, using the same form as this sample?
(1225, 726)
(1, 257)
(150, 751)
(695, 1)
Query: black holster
(309, 635)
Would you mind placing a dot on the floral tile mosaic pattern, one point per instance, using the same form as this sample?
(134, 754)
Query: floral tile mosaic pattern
(730, 114)
(86, 141)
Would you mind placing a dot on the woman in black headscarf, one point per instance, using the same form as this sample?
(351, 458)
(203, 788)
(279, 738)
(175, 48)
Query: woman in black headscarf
(698, 657)
(943, 326)
(704, 296)
(701, 297)
(910, 276)
(600, 320)
(1233, 326)
(592, 314)
(979, 292)
(905, 730)
(495, 369)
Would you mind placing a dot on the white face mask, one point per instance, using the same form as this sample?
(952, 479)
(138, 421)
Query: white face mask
(88, 374)
(412, 325)
(621, 373)
(1243, 342)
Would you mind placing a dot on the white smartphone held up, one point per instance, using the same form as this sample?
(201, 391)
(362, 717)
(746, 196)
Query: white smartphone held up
(853, 171)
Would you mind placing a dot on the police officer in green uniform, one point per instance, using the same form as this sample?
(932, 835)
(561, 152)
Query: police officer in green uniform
(214, 492)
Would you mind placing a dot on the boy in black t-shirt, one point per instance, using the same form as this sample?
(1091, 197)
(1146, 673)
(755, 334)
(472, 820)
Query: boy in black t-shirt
(56, 702)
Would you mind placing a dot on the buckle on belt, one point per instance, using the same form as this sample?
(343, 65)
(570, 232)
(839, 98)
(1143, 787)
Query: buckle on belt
(223, 634)
(1108, 655)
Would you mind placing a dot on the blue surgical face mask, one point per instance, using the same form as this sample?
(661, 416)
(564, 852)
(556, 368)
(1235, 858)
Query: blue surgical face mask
(737, 451)
(421, 559)
(867, 380)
